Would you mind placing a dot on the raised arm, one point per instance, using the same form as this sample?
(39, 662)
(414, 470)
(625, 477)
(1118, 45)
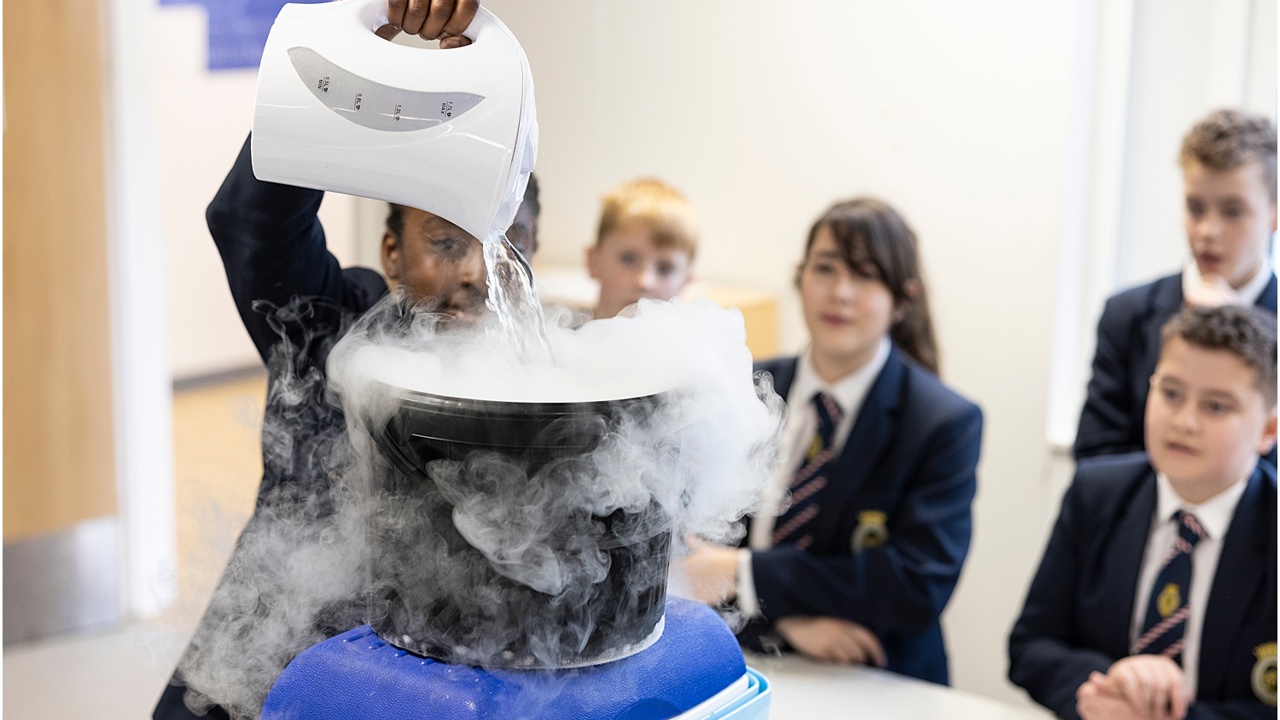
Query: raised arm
(273, 249)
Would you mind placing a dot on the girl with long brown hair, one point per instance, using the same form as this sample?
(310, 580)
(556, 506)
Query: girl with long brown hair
(861, 538)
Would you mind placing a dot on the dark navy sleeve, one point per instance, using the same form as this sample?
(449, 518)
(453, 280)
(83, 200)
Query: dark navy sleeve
(1106, 417)
(1044, 658)
(1230, 710)
(273, 250)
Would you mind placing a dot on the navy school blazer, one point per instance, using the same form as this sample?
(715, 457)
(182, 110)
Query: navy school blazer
(1079, 609)
(1128, 347)
(906, 476)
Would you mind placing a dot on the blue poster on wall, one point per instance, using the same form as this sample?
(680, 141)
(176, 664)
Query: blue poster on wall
(237, 29)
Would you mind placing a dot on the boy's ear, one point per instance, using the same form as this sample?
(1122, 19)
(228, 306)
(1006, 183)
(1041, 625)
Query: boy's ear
(592, 256)
(390, 255)
(1268, 439)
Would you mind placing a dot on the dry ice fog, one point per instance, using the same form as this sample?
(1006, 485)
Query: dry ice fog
(499, 546)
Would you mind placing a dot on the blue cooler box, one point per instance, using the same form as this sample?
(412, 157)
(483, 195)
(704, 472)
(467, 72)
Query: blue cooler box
(694, 671)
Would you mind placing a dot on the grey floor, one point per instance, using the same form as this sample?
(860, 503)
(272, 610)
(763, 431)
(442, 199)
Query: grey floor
(113, 674)
(118, 673)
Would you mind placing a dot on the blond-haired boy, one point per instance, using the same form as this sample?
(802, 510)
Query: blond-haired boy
(644, 247)
(1156, 596)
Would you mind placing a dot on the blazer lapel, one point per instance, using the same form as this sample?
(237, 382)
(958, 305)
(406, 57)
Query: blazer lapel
(784, 373)
(868, 438)
(1121, 564)
(1241, 569)
(1166, 301)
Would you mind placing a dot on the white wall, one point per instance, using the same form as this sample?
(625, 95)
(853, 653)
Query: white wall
(140, 337)
(1028, 143)
(955, 113)
(202, 119)
(1234, 64)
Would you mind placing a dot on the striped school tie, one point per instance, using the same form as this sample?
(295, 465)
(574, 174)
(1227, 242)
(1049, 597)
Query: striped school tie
(1167, 609)
(795, 525)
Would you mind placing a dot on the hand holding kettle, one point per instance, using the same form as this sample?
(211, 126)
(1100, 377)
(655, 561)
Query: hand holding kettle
(442, 20)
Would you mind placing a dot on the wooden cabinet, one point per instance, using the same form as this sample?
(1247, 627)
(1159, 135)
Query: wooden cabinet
(59, 466)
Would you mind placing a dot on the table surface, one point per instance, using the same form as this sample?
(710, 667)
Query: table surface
(803, 689)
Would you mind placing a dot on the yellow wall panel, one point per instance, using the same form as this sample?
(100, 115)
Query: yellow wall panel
(58, 439)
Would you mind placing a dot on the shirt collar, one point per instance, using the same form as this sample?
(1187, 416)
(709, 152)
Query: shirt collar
(849, 391)
(1248, 293)
(1213, 514)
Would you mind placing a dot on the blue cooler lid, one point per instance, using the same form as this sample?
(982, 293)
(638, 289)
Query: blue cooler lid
(357, 676)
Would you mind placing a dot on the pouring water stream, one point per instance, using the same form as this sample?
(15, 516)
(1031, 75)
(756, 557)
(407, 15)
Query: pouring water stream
(514, 300)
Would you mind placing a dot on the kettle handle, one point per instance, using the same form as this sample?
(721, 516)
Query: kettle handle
(482, 24)
(373, 14)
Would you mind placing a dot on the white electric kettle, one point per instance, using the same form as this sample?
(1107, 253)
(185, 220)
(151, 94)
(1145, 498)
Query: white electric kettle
(453, 132)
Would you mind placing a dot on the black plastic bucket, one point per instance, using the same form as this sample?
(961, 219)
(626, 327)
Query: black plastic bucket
(580, 588)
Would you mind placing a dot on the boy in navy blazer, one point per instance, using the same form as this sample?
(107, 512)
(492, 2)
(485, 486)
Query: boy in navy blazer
(1156, 596)
(1229, 181)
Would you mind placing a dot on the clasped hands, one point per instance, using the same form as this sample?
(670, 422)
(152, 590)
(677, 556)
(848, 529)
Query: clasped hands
(1138, 687)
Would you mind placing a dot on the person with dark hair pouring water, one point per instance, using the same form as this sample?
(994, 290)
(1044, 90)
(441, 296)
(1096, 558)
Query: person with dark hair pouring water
(296, 302)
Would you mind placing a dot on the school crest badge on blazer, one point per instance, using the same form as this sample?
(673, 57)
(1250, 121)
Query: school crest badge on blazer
(1263, 677)
(872, 530)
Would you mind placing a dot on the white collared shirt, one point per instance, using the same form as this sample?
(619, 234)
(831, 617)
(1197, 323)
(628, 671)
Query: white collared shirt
(849, 392)
(1214, 516)
(1246, 294)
